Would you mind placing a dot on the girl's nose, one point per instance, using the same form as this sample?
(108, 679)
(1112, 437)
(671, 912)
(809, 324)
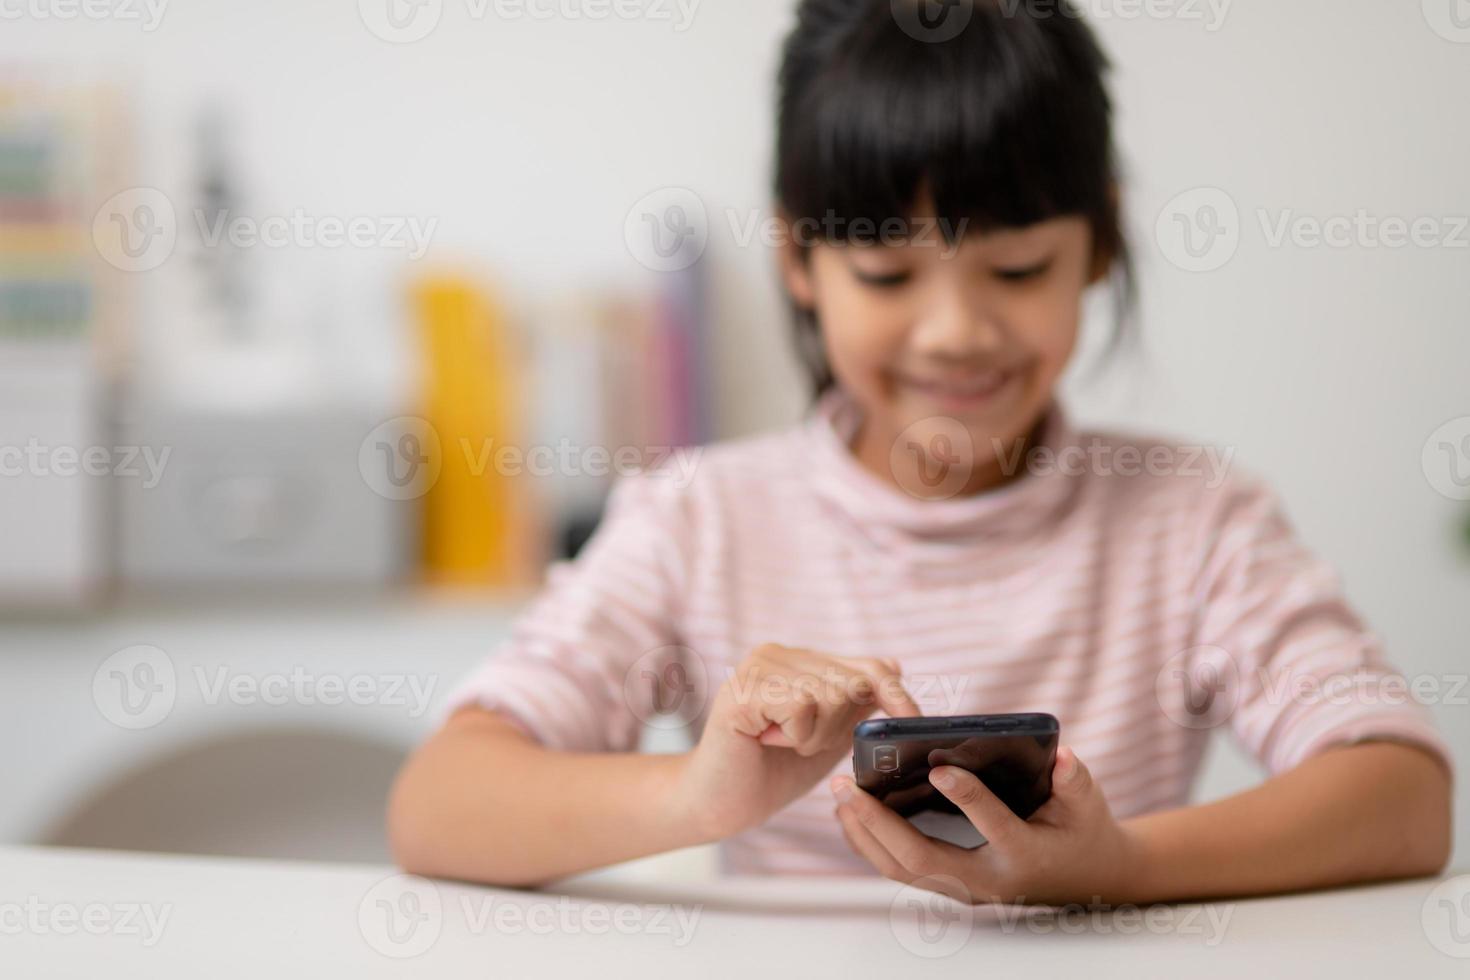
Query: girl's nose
(958, 324)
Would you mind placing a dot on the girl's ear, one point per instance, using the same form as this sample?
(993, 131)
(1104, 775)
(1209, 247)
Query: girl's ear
(1104, 254)
(796, 271)
(1102, 264)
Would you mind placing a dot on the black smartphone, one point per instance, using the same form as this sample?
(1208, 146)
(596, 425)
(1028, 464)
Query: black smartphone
(1012, 754)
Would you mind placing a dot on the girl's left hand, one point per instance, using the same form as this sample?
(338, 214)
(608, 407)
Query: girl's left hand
(1070, 851)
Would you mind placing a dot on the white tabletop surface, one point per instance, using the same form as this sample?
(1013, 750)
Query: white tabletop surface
(112, 915)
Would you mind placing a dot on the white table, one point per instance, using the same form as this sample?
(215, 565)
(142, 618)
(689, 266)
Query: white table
(112, 915)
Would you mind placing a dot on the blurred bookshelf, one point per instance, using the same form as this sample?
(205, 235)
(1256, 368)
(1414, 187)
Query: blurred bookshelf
(284, 470)
(605, 380)
(59, 312)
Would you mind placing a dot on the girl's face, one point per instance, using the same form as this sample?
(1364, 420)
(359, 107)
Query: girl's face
(936, 341)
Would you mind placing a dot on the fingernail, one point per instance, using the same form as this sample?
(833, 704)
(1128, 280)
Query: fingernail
(942, 778)
(842, 789)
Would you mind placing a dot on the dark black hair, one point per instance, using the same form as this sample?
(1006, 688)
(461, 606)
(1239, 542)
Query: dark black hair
(998, 108)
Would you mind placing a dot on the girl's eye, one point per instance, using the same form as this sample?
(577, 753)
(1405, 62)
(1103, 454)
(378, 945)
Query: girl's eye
(1023, 273)
(882, 280)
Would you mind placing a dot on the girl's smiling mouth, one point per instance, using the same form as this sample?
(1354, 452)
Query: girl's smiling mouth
(966, 392)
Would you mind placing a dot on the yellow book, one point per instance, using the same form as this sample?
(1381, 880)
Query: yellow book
(478, 527)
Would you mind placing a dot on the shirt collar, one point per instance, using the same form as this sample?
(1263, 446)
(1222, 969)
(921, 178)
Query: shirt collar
(1024, 507)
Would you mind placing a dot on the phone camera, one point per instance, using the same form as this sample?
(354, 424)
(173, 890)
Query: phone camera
(885, 758)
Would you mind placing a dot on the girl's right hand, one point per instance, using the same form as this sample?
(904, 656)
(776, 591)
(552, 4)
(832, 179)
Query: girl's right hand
(778, 726)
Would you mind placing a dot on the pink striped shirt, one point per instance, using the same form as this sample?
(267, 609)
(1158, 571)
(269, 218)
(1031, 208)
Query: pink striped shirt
(1121, 586)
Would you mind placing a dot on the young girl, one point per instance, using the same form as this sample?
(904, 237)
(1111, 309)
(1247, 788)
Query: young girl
(937, 537)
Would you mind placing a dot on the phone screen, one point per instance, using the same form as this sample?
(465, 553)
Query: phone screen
(1012, 755)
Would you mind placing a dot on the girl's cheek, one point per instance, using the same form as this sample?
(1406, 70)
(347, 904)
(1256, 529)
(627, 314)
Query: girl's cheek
(863, 336)
(1048, 323)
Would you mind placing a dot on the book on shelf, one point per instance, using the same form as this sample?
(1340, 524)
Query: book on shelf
(61, 315)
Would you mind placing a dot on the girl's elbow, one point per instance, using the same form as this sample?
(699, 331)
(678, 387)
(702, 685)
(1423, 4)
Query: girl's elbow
(423, 840)
(1429, 827)
(411, 838)
(1431, 854)
(1439, 844)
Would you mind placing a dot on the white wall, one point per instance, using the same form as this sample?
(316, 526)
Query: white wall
(528, 140)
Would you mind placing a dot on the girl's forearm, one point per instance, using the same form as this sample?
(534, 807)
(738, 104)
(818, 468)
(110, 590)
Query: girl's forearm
(482, 802)
(1367, 812)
